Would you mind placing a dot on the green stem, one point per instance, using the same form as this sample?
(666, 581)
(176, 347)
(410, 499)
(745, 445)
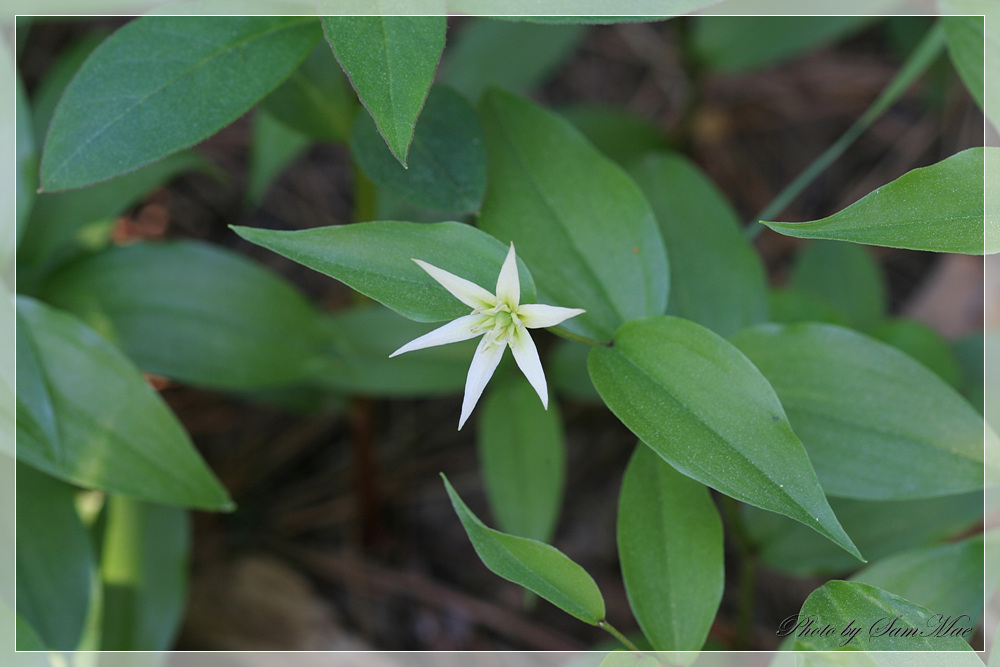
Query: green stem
(611, 630)
(364, 197)
(916, 64)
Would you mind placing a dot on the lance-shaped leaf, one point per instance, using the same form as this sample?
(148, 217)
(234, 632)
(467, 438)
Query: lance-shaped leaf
(966, 37)
(390, 61)
(876, 423)
(376, 259)
(55, 560)
(540, 568)
(670, 547)
(164, 83)
(85, 414)
(716, 278)
(446, 169)
(575, 216)
(522, 454)
(938, 208)
(846, 277)
(702, 406)
(882, 621)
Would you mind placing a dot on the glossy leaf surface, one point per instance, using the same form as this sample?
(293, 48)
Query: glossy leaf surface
(376, 259)
(390, 61)
(540, 568)
(705, 409)
(938, 208)
(881, 618)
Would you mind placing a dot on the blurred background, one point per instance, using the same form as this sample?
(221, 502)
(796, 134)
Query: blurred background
(344, 538)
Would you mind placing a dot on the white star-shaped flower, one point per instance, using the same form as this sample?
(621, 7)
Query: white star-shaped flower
(504, 321)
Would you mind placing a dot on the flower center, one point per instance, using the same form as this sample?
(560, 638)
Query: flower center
(503, 320)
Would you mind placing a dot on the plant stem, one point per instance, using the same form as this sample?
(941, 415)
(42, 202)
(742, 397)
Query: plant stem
(611, 630)
(918, 61)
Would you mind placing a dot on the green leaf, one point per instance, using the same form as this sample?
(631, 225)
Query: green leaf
(883, 621)
(879, 528)
(55, 561)
(522, 454)
(26, 637)
(360, 342)
(970, 353)
(576, 218)
(540, 568)
(120, 439)
(48, 91)
(938, 208)
(274, 146)
(480, 55)
(61, 223)
(716, 278)
(390, 61)
(966, 39)
(27, 161)
(316, 99)
(567, 371)
(622, 136)
(947, 579)
(788, 305)
(164, 83)
(144, 563)
(877, 424)
(923, 344)
(629, 659)
(194, 312)
(376, 259)
(734, 43)
(670, 547)
(847, 277)
(446, 168)
(703, 407)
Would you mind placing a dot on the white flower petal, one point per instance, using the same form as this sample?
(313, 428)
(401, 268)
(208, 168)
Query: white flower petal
(487, 357)
(457, 330)
(526, 356)
(508, 282)
(464, 290)
(538, 315)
